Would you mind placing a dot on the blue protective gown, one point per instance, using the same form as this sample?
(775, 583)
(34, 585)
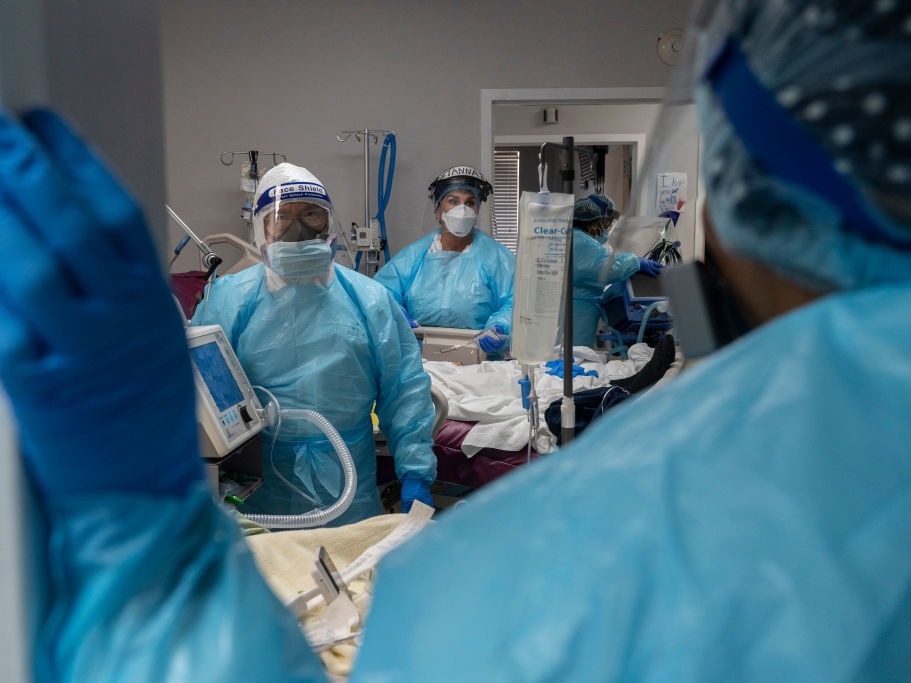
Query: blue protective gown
(748, 521)
(160, 588)
(467, 290)
(590, 276)
(335, 350)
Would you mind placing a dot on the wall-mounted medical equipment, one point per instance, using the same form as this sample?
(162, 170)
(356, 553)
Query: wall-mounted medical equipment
(249, 177)
(228, 411)
(369, 238)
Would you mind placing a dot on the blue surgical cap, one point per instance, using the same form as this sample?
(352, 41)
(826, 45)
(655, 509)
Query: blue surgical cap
(594, 207)
(805, 108)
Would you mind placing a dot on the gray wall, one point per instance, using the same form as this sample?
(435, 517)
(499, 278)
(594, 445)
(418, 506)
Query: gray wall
(99, 64)
(284, 76)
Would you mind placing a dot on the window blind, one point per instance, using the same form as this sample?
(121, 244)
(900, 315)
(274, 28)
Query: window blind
(505, 226)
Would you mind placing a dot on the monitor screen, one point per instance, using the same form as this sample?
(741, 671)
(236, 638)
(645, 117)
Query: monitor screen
(642, 285)
(217, 375)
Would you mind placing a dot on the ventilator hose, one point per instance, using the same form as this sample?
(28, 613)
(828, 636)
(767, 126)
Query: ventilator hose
(666, 253)
(321, 516)
(383, 192)
(645, 316)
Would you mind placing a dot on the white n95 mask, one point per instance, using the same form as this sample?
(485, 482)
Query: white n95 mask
(460, 220)
(300, 260)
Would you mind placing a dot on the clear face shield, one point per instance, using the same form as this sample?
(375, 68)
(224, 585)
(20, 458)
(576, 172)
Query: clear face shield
(599, 229)
(456, 212)
(297, 238)
(664, 219)
(293, 220)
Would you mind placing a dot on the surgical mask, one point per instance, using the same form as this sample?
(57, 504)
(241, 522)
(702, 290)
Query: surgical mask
(460, 220)
(601, 237)
(300, 260)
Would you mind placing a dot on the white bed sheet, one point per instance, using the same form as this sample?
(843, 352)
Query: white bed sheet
(489, 394)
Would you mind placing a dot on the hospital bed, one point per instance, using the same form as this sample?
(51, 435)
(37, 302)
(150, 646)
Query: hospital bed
(486, 433)
(236, 255)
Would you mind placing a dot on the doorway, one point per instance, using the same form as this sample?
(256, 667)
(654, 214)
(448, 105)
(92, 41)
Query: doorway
(592, 116)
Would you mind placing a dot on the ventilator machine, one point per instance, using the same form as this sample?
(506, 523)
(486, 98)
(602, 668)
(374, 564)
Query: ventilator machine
(228, 412)
(231, 419)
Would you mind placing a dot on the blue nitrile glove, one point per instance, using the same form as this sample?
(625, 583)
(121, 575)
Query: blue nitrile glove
(92, 347)
(414, 488)
(649, 267)
(673, 215)
(555, 367)
(493, 339)
(411, 321)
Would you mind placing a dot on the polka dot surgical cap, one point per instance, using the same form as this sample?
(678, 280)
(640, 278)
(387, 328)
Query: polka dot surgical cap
(805, 109)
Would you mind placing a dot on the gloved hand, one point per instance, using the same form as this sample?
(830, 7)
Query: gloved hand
(92, 348)
(673, 215)
(650, 267)
(414, 488)
(411, 321)
(555, 367)
(493, 339)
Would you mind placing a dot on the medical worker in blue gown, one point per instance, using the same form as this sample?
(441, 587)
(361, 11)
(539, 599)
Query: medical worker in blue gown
(322, 337)
(593, 267)
(748, 521)
(138, 575)
(456, 276)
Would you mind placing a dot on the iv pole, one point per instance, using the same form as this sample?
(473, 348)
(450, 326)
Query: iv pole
(365, 135)
(567, 407)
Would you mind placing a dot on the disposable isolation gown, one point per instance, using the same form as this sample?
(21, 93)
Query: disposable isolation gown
(590, 276)
(160, 588)
(468, 290)
(748, 521)
(334, 350)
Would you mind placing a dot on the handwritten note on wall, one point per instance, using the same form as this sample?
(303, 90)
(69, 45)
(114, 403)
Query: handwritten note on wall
(671, 191)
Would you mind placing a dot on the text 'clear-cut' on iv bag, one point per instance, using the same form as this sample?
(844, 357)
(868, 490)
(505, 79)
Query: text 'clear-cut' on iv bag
(545, 222)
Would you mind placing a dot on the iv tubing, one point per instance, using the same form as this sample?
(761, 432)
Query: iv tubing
(322, 516)
(533, 415)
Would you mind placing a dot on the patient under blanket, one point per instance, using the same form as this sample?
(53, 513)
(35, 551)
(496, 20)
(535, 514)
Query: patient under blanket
(488, 394)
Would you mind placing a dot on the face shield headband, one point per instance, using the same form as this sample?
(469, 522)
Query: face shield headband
(280, 215)
(782, 148)
(313, 193)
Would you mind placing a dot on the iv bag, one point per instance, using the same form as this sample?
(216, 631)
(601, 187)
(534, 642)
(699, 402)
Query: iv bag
(545, 222)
